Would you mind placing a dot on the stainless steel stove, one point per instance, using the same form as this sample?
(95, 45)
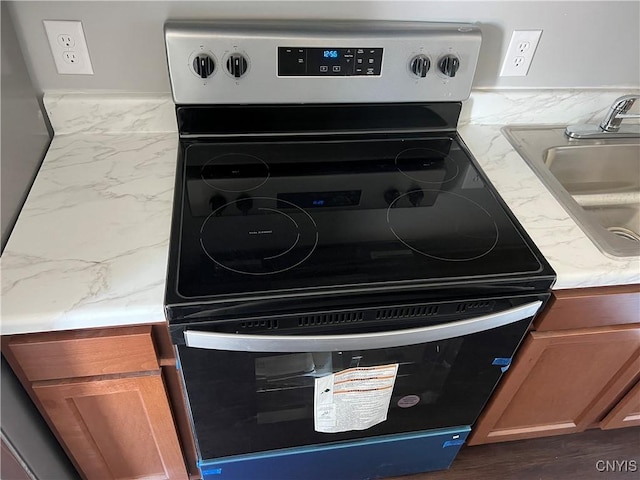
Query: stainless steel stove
(329, 222)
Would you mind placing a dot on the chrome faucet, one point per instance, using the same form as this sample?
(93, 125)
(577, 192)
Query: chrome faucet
(610, 126)
(617, 112)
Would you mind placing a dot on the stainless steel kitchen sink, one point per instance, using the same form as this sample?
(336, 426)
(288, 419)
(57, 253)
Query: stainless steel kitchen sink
(595, 169)
(596, 181)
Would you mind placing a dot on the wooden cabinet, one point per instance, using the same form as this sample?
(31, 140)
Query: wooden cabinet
(117, 427)
(626, 413)
(565, 380)
(103, 392)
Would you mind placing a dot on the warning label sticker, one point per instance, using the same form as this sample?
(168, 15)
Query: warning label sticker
(353, 399)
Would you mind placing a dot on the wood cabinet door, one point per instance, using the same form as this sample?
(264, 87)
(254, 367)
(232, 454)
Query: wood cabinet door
(115, 428)
(626, 413)
(557, 381)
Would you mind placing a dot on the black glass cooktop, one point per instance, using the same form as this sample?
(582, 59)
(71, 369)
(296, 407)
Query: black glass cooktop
(264, 218)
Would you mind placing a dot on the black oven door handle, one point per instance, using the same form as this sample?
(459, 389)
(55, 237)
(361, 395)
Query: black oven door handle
(366, 341)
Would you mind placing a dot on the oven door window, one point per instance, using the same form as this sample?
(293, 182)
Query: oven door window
(284, 383)
(244, 402)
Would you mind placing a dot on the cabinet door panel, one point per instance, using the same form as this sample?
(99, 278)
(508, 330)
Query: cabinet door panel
(626, 413)
(117, 428)
(556, 380)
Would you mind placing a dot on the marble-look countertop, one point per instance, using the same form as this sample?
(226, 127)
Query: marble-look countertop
(574, 257)
(91, 243)
(90, 246)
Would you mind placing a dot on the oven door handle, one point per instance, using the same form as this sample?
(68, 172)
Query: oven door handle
(365, 341)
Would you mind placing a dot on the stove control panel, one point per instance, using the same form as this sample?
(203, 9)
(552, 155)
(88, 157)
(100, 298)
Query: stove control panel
(328, 61)
(320, 62)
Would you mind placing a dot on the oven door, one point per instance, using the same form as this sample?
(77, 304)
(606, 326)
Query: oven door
(251, 394)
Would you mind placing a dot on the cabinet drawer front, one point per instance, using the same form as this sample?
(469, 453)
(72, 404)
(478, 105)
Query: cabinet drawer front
(590, 307)
(85, 353)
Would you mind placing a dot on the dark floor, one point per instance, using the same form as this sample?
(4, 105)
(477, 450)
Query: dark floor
(577, 456)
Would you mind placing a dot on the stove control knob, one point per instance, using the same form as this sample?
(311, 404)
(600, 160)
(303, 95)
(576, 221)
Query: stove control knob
(420, 65)
(244, 203)
(237, 65)
(415, 196)
(449, 65)
(390, 195)
(203, 65)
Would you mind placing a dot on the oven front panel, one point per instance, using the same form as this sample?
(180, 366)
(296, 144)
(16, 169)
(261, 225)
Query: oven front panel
(246, 403)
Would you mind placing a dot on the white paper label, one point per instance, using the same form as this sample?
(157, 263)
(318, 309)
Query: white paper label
(354, 399)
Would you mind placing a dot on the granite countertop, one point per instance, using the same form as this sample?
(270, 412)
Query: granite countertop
(90, 246)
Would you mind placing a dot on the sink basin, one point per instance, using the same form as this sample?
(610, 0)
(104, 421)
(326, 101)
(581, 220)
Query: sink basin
(596, 181)
(595, 169)
(622, 220)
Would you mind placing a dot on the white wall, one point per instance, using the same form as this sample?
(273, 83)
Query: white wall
(23, 129)
(584, 44)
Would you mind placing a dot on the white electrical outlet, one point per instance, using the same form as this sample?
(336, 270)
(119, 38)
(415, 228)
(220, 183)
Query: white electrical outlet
(69, 47)
(519, 55)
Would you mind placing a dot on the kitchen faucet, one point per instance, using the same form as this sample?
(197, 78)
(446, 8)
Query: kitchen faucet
(610, 127)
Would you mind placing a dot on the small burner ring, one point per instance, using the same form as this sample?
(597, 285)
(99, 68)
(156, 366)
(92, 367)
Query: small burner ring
(235, 172)
(411, 157)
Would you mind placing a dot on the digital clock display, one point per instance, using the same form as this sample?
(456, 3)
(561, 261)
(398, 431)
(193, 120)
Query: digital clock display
(326, 61)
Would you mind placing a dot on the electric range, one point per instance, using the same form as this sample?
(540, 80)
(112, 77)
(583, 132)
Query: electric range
(329, 221)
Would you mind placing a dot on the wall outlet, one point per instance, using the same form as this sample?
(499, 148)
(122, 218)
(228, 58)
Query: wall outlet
(519, 55)
(70, 57)
(69, 47)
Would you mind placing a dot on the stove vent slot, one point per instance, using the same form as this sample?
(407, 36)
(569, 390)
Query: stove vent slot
(262, 324)
(407, 312)
(474, 306)
(329, 319)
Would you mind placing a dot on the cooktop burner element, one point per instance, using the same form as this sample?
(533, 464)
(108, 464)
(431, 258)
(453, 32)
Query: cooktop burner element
(446, 235)
(258, 236)
(235, 172)
(415, 163)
